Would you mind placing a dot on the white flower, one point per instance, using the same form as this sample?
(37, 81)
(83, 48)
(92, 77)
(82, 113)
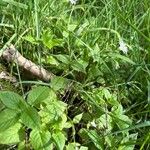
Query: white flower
(122, 46)
(93, 124)
(73, 2)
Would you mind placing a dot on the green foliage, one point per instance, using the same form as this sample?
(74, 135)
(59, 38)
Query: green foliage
(8, 118)
(47, 124)
(40, 139)
(99, 52)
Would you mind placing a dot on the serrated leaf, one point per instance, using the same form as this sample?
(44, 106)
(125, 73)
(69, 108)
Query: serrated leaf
(77, 118)
(8, 118)
(59, 140)
(37, 95)
(40, 139)
(12, 100)
(12, 135)
(30, 118)
(59, 83)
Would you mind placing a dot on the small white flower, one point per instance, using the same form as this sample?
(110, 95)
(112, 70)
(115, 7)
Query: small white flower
(122, 46)
(93, 124)
(73, 2)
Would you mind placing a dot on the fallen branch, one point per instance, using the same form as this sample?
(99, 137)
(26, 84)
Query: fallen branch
(10, 54)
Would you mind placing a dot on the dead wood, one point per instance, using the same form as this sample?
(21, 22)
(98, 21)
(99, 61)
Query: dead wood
(11, 54)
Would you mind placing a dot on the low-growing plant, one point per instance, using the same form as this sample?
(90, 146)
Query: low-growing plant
(42, 121)
(99, 52)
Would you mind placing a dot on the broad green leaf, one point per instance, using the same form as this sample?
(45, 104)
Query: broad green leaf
(12, 135)
(104, 121)
(49, 41)
(1, 106)
(30, 118)
(52, 97)
(58, 83)
(51, 60)
(123, 121)
(113, 100)
(12, 100)
(37, 95)
(77, 118)
(128, 142)
(63, 58)
(8, 118)
(40, 140)
(57, 107)
(59, 140)
(52, 112)
(95, 53)
(22, 145)
(79, 65)
(148, 86)
(47, 36)
(106, 93)
(117, 110)
(60, 123)
(96, 139)
(124, 58)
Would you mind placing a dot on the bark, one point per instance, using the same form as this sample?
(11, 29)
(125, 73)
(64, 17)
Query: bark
(11, 54)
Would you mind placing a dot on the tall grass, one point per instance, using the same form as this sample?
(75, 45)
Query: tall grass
(84, 32)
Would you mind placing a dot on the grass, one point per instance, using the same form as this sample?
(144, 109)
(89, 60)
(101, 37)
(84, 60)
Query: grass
(53, 33)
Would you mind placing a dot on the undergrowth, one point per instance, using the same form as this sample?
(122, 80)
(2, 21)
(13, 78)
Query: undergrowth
(99, 52)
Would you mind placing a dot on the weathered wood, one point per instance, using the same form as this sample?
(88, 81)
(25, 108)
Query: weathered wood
(11, 54)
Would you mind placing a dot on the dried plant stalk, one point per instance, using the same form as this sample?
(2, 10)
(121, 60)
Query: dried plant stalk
(10, 54)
